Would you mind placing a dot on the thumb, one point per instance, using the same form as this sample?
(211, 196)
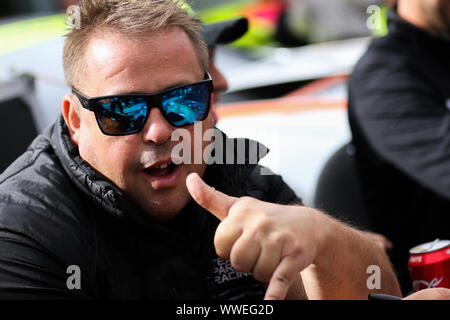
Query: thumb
(209, 198)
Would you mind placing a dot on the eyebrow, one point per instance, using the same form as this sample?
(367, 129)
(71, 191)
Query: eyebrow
(179, 84)
(176, 85)
(164, 89)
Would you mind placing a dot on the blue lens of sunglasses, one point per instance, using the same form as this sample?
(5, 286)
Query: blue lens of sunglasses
(122, 115)
(186, 105)
(180, 107)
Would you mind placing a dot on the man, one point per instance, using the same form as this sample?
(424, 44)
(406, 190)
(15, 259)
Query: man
(216, 34)
(97, 207)
(315, 21)
(399, 114)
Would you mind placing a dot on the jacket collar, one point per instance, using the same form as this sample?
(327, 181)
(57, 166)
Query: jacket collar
(96, 186)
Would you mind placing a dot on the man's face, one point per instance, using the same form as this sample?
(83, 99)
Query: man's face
(437, 14)
(117, 65)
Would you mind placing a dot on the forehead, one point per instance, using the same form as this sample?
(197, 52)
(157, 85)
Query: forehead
(119, 64)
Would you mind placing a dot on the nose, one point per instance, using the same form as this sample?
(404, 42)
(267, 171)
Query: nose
(157, 129)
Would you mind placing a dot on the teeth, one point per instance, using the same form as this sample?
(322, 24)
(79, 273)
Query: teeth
(164, 166)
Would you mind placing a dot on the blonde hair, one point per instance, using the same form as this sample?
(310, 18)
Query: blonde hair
(131, 18)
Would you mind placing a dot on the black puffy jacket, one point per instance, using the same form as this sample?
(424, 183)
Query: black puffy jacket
(399, 113)
(57, 212)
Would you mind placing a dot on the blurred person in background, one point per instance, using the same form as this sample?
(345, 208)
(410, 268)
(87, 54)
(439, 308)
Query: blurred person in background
(68, 3)
(399, 112)
(314, 21)
(26, 7)
(219, 34)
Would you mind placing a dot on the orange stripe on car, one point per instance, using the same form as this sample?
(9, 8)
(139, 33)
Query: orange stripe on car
(282, 105)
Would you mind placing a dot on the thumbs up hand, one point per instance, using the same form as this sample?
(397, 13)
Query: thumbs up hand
(274, 242)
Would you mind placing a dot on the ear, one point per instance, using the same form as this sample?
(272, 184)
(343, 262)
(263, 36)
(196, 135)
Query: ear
(71, 114)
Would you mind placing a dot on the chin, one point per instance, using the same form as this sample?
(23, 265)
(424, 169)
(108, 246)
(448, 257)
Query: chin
(166, 205)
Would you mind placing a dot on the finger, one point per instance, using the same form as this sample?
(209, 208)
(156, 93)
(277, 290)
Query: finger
(430, 294)
(388, 244)
(381, 240)
(297, 291)
(267, 262)
(209, 198)
(282, 278)
(244, 254)
(227, 233)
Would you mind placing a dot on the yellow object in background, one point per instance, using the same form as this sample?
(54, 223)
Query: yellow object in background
(382, 29)
(263, 16)
(18, 35)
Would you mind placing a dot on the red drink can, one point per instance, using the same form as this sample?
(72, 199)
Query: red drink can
(429, 265)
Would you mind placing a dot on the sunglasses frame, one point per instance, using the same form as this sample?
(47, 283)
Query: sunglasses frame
(152, 99)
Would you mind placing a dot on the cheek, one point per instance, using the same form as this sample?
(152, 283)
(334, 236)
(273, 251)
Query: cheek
(89, 143)
(111, 156)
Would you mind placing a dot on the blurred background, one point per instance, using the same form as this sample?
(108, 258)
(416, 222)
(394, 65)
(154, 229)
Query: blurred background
(27, 7)
(287, 76)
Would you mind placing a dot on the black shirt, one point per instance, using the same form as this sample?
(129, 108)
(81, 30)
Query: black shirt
(399, 100)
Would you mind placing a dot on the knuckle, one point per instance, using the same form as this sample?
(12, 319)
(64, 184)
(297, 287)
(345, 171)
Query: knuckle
(277, 240)
(239, 264)
(264, 224)
(221, 252)
(244, 205)
(236, 211)
(282, 280)
(296, 248)
(247, 200)
(262, 275)
(220, 233)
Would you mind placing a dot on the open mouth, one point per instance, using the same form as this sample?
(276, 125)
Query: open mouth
(162, 170)
(164, 174)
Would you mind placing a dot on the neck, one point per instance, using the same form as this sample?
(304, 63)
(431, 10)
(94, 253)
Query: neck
(415, 13)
